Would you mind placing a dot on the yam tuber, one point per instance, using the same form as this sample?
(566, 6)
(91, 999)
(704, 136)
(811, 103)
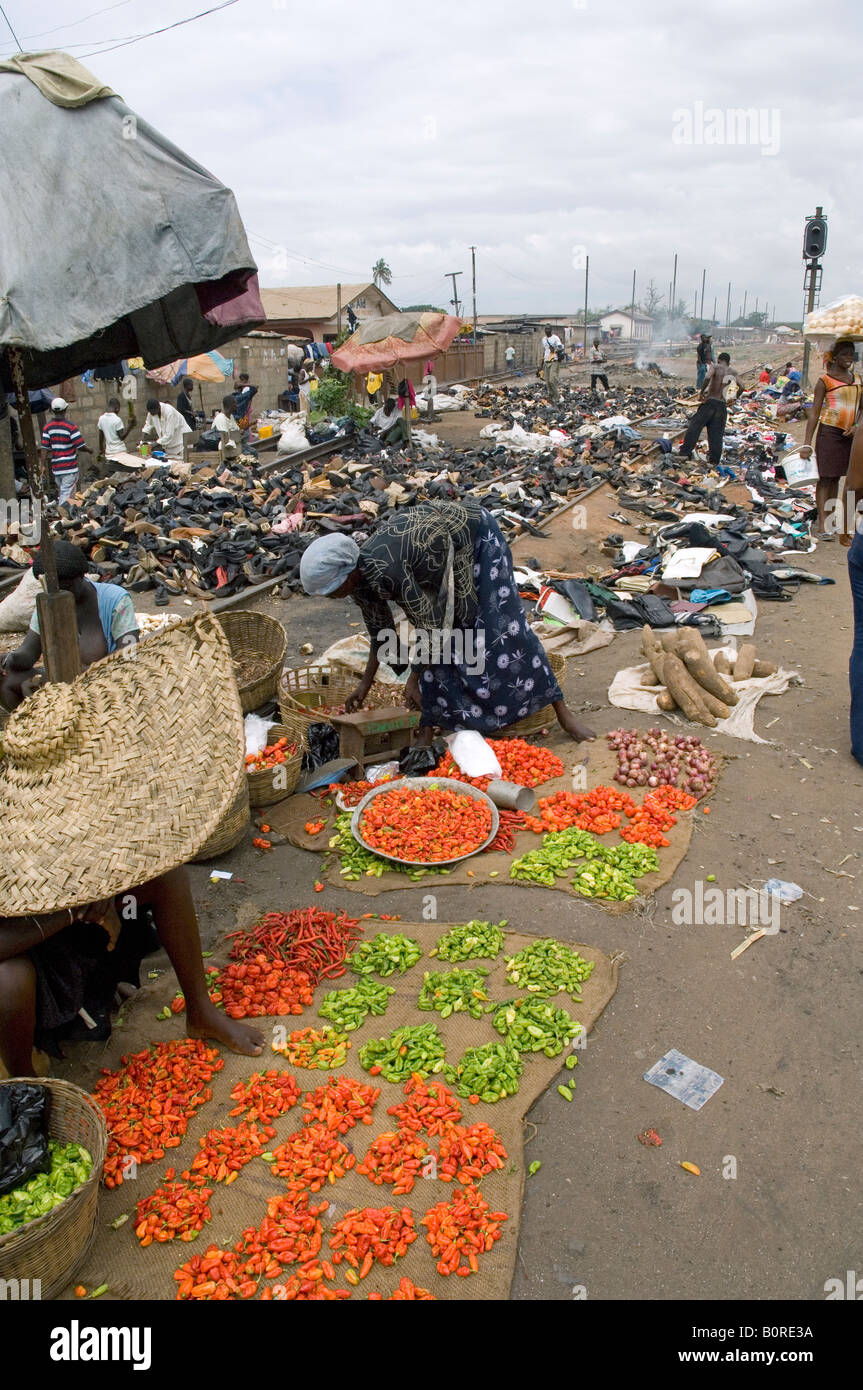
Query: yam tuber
(701, 667)
(686, 693)
(722, 663)
(666, 702)
(763, 668)
(669, 638)
(717, 707)
(745, 661)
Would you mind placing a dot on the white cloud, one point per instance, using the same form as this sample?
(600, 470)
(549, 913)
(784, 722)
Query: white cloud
(353, 131)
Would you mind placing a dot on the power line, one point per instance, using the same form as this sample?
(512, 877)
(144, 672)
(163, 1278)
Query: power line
(73, 24)
(11, 30)
(136, 38)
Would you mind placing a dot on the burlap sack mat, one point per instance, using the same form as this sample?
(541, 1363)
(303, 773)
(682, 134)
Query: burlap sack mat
(131, 1272)
(289, 818)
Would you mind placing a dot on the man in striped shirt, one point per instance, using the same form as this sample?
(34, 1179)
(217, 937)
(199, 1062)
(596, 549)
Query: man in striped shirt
(61, 442)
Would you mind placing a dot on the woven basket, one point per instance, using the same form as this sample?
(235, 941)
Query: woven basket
(262, 792)
(254, 636)
(52, 1247)
(231, 829)
(534, 723)
(304, 690)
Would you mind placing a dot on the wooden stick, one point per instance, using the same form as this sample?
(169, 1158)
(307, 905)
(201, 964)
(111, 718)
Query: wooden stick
(750, 940)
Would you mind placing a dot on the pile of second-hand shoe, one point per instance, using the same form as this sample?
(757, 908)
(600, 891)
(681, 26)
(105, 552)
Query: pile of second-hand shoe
(208, 538)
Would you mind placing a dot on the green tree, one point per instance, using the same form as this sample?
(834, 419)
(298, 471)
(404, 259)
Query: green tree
(381, 273)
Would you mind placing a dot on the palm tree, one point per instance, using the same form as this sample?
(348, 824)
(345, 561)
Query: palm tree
(381, 273)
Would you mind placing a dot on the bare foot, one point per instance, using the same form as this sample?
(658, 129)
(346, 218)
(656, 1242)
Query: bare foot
(570, 725)
(236, 1037)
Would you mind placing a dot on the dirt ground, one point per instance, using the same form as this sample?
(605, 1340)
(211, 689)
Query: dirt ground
(777, 1209)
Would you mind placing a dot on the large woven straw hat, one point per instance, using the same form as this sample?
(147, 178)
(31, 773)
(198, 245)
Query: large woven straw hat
(123, 774)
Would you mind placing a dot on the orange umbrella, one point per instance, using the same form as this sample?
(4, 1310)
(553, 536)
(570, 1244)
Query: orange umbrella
(385, 343)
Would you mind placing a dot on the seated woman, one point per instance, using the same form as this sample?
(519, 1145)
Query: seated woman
(55, 964)
(106, 621)
(109, 785)
(390, 423)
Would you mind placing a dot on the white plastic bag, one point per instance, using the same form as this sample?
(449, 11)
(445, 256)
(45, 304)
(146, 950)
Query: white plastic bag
(292, 436)
(256, 730)
(473, 754)
(18, 608)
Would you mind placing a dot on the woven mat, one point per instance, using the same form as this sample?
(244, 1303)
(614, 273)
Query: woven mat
(290, 816)
(116, 1257)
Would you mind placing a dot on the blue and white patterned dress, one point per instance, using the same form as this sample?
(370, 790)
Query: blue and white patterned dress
(405, 561)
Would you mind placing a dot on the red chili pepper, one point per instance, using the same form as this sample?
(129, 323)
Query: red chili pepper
(462, 1228)
(149, 1101)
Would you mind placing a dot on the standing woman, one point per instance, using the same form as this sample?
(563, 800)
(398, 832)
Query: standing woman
(835, 412)
(448, 567)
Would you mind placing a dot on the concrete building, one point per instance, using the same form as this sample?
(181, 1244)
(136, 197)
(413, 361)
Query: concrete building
(621, 323)
(311, 312)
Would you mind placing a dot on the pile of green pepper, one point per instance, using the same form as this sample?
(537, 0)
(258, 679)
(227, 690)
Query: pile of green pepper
(349, 1008)
(612, 877)
(71, 1165)
(406, 1050)
(471, 941)
(547, 966)
(384, 954)
(454, 991)
(534, 1025)
(490, 1072)
(357, 861)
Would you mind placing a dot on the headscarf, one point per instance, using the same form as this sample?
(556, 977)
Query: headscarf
(327, 563)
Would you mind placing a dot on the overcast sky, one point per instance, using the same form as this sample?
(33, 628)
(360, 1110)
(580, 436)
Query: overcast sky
(538, 132)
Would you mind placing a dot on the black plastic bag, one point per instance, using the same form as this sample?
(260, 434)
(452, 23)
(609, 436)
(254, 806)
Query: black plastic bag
(323, 746)
(24, 1111)
(417, 761)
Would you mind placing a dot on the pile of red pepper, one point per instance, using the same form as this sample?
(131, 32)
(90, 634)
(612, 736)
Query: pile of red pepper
(395, 1157)
(289, 1232)
(407, 1292)
(149, 1101)
(225, 1151)
(432, 826)
(266, 1095)
(304, 939)
(597, 810)
(258, 986)
(469, 1153)
(310, 1157)
(655, 815)
(510, 824)
(462, 1228)
(307, 1286)
(340, 1104)
(174, 1211)
(217, 1274)
(430, 1107)
(371, 1233)
(352, 793)
(520, 762)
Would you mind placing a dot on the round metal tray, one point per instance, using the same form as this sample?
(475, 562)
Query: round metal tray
(424, 784)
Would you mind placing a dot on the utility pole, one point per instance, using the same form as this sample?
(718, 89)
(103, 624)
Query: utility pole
(674, 285)
(473, 274)
(703, 283)
(745, 294)
(713, 320)
(7, 464)
(450, 275)
(728, 308)
(339, 311)
(586, 278)
(632, 310)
